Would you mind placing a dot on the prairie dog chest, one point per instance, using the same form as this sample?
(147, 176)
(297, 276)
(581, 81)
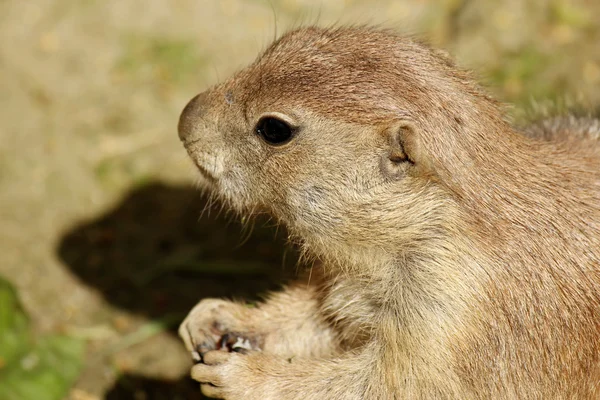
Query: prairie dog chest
(350, 304)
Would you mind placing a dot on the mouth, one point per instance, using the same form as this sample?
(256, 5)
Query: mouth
(205, 174)
(203, 170)
(199, 160)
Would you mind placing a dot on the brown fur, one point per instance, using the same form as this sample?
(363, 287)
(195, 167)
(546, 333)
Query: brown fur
(472, 270)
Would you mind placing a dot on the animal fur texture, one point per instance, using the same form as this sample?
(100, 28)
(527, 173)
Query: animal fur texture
(456, 257)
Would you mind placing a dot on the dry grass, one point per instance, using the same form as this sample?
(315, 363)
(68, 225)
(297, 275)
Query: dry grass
(94, 185)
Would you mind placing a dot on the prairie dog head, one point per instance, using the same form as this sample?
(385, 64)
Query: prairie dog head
(336, 133)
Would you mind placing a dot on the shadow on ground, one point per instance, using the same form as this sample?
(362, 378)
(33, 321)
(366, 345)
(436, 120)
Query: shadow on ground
(135, 387)
(154, 255)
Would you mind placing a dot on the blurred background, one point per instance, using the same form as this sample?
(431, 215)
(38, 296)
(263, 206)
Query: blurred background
(103, 243)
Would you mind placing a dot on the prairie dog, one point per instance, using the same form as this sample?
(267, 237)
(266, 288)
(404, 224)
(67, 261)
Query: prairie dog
(458, 258)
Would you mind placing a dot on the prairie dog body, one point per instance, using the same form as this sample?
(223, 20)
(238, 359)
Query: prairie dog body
(459, 259)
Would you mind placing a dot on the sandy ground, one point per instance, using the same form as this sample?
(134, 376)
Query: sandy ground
(101, 227)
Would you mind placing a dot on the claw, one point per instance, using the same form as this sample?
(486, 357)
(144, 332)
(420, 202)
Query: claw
(226, 341)
(196, 357)
(201, 350)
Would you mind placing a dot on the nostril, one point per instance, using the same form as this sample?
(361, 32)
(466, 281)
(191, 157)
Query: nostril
(190, 117)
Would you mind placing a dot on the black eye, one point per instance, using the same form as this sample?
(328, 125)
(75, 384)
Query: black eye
(274, 131)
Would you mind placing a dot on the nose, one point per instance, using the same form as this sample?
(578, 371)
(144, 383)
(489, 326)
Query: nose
(190, 120)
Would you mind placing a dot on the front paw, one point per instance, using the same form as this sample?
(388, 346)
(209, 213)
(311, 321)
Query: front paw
(234, 376)
(217, 375)
(215, 324)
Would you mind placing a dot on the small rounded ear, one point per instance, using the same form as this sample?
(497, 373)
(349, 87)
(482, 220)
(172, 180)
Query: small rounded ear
(403, 150)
